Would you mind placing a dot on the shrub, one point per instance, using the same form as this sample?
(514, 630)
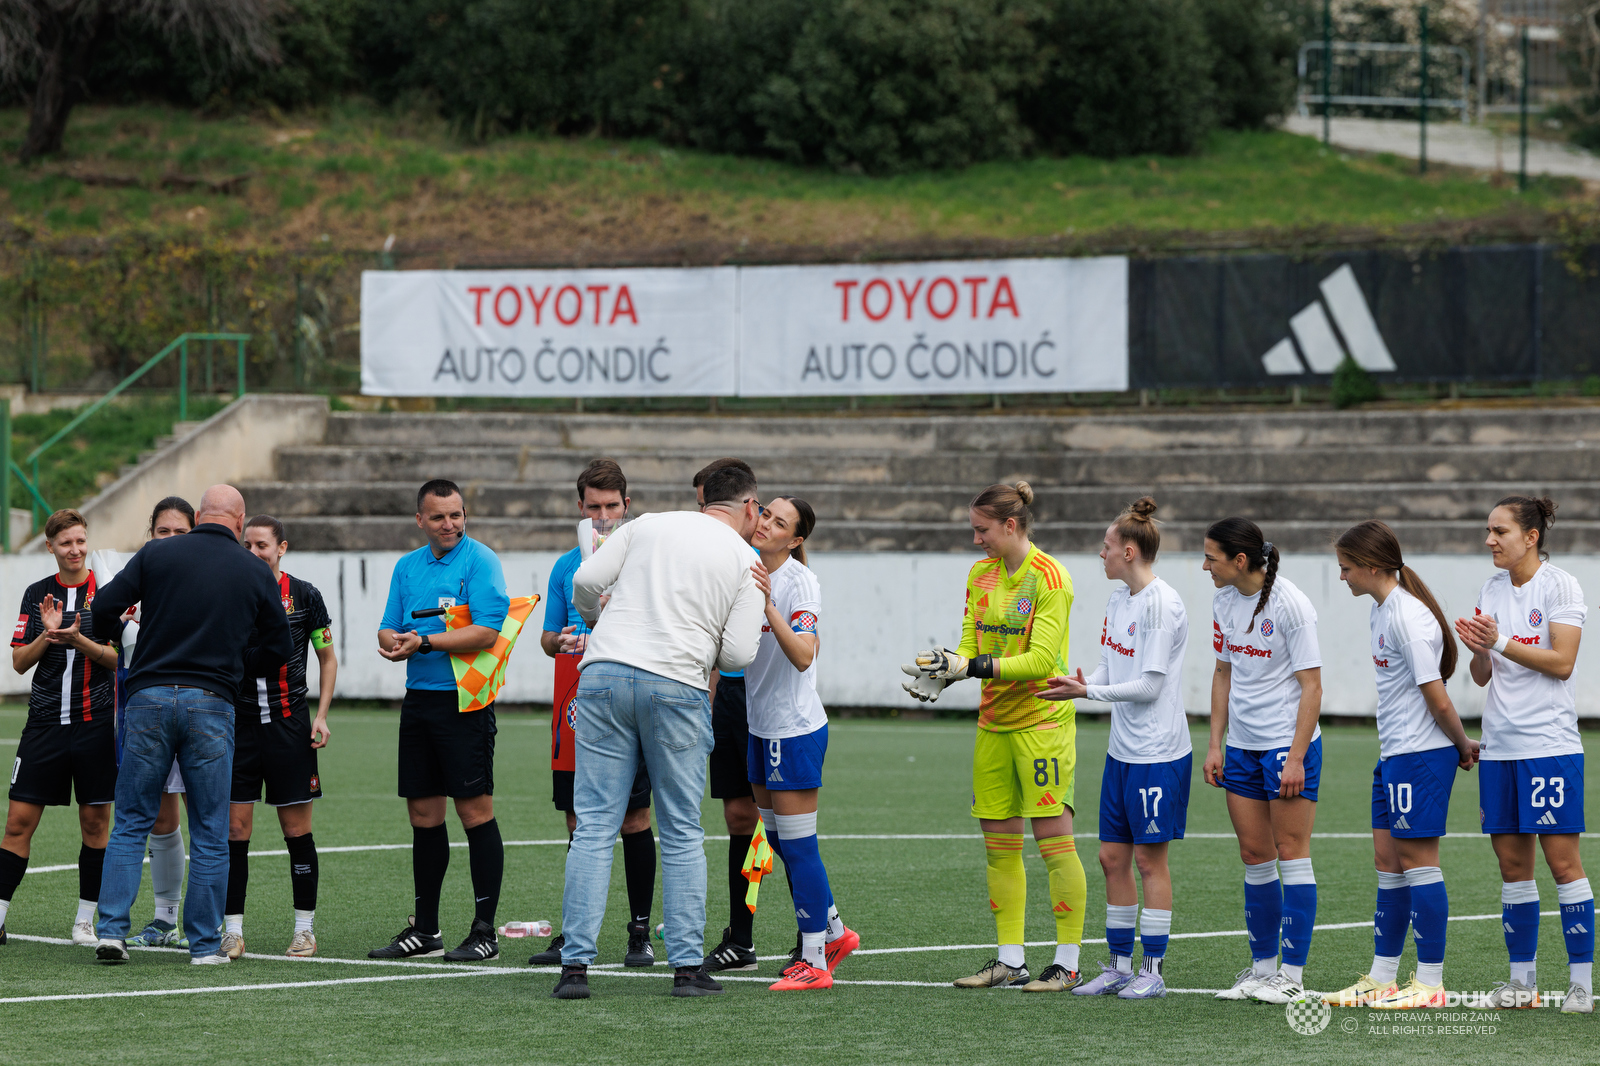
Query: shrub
(1352, 385)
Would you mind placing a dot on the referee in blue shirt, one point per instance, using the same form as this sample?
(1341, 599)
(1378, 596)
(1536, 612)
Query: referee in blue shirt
(443, 751)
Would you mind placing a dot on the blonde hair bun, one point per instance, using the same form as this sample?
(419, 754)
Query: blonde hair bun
(1025, 490)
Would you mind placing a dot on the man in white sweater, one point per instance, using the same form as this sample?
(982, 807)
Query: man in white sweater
(683, 601)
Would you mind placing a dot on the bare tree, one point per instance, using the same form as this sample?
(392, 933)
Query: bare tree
(51, 43)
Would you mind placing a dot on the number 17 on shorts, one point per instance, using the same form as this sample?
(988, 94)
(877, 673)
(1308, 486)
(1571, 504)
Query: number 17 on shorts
(1144, 803)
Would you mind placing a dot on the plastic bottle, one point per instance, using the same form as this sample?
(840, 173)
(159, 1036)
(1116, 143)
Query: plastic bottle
(516, 929)
(659, 932)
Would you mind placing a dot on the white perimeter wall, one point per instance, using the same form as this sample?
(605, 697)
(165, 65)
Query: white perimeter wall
(880, 607)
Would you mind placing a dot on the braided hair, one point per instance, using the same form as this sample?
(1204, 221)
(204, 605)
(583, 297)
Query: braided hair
(1240, 536)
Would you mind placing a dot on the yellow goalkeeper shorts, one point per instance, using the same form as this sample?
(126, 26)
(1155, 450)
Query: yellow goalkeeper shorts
(1026, 773)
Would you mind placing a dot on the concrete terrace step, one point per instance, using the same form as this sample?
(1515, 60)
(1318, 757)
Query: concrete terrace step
(1420, 463)
(1333, 502)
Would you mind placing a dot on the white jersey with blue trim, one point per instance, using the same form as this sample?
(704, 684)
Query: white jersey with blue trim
(1406, 645)
(782, 701)
(1144, 632)
(1528, 715)
(1265, 650)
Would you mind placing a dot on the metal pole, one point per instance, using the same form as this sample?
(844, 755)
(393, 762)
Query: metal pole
(1327, 67)
(183, 380)
(5, 474)
(38, 515)
(1483, 52)
(1422, 158)
(299, 335)
(241, 369)
(1522, 106)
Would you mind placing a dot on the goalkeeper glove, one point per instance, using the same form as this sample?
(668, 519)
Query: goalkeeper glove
(952, 666)
(922, 686)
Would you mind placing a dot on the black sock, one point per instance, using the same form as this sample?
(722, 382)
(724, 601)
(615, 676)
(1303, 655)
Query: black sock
(303, 871)
(12, 868)
(91, 864)
(430, 858)
(639, 863)
(487, 855)
(238, 876)
(740, 920)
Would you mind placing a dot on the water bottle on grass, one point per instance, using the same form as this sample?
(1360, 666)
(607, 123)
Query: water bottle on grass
(520, 929)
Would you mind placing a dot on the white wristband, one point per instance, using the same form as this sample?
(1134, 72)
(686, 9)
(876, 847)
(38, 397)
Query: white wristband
(1500, 645)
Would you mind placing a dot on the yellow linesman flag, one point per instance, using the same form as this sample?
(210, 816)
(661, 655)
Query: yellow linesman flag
(479, 674)
(757, 864)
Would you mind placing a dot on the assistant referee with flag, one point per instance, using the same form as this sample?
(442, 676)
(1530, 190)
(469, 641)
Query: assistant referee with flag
(445, 751)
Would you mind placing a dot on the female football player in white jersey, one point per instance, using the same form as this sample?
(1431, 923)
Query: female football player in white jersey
(789, 737)
(1421, 743)
(1144, 792)
(1266, 694)
(1524, 642)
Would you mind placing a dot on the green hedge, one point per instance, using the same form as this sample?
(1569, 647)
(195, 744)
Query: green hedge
(875, 85)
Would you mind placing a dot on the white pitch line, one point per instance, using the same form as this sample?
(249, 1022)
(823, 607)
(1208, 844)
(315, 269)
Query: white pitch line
(254, 988)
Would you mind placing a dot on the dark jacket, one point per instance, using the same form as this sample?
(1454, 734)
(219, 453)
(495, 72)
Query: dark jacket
(202, 594)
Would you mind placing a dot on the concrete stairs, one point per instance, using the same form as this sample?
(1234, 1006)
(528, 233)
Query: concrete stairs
(889, 482)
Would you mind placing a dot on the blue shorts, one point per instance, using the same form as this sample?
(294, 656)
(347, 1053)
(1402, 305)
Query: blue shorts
(1411, 792)
(790, 763)
(1144, 803)
(1254, 774)
(1531, 795)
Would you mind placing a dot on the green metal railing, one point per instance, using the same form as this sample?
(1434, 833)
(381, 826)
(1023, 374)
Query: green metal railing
(9, 468)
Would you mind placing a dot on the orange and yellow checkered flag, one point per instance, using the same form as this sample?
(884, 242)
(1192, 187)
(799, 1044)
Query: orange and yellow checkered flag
(479, 674)
(757, 864)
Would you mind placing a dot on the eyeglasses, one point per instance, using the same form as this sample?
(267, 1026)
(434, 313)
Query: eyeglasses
(760, 510)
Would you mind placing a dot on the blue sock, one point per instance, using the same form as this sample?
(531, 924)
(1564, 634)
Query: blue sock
(1263, 908)
(1519, 916)
(800, 855)
(1577, 919)
(1391, 917)
(1299, 909)
(1430, 912)
(1119, 930)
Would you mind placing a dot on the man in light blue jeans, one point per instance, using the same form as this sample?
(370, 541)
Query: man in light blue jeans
(683, 601)
(196, 726)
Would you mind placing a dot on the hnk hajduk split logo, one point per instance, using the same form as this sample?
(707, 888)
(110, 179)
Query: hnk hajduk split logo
(1308, 1017)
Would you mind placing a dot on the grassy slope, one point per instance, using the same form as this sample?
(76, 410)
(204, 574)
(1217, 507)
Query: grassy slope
(882, 778)
(352, 176)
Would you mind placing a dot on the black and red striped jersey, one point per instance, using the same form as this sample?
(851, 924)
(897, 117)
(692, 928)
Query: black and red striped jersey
(67, 686)
(283, 693)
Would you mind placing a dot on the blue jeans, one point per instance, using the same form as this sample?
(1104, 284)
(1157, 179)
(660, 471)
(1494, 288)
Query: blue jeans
(620, 711)
(197, 728)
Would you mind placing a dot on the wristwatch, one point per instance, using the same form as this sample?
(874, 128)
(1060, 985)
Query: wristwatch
(427, 645)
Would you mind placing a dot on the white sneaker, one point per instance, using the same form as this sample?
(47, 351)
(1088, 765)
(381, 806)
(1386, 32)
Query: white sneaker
(1245, 982)
(1511, 995)
(218, 959)
(111, 951)
(1279, 989)
(1578, 1001)
(84, 936)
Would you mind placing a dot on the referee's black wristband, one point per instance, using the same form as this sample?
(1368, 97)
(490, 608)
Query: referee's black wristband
(980, 666)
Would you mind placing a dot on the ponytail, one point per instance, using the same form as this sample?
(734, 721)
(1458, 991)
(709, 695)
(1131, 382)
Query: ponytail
(1372, 545)
(1240, 536)
(808, 522)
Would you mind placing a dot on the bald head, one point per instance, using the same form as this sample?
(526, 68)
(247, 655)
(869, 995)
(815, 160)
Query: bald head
(223, 505)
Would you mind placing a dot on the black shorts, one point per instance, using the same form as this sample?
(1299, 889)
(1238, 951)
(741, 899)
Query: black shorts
(444, 752)
(730, 732)
(277, 753)
(54, 761)
(562, 792)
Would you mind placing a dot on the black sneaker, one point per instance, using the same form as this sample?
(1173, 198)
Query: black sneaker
(550, 956)
(730, 955)
(797, 952)
(410, 943)
(696, 982)
(574, 983)
(640, 951)
(481, 945)
(2, 934)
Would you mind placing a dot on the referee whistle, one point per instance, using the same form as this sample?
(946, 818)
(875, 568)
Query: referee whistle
(429, 612)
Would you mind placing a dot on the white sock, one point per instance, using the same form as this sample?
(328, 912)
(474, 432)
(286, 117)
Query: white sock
(1384, 969)
(1067, 955)
(1265, 967)
(1122, 918)
(235, 923)
(5, 905)
(1430, 973)
(167, 910)
(1297, 974)
(1122, 964)
(811, 949)
(1012, 956)
(835, 924)
(302, 920)
(85, 910)
(1525, 974)
(1583, 975)
(166, 866)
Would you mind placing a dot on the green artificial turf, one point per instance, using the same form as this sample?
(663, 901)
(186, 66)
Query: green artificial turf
(882, 778)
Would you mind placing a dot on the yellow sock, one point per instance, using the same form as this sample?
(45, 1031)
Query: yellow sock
(1069, 890)
(1008, 885)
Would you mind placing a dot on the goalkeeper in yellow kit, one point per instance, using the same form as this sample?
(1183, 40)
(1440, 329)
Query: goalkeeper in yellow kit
(1014, 637)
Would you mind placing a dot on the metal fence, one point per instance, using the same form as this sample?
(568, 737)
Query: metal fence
(1375, 76)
